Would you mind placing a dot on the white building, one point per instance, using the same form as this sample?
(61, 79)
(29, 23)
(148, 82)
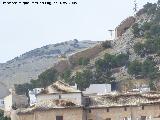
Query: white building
(60, 90)
(142, 89)
(32, 95)
(98, 89)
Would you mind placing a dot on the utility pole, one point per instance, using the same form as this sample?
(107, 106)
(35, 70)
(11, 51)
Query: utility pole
(111, 33)
(135, 6)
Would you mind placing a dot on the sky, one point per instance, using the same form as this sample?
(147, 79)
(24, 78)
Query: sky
(26, 27)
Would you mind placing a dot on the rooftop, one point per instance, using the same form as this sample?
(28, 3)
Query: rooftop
(59, 87)
(127, 99)
(48, 105)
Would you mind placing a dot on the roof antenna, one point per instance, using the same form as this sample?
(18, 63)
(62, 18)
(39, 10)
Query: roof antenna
(111, 33)
(135, 6)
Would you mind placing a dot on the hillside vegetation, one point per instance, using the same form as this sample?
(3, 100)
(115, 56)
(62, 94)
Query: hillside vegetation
(132, 57)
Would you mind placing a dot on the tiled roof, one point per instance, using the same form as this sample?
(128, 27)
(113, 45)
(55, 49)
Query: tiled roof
(48, 105)
(127, 99)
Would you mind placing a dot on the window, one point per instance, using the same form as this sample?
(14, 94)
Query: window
(59, 117)
(107, 109)
(108, 118)
(143, 117)
(125, 118)
(125, 109)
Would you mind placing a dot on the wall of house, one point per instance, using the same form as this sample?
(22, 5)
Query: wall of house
(18, 100)
(74, 97)
(119, 113)
(8, 103)
(68, 114)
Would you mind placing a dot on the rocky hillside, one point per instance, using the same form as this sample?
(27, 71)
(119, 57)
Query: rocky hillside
(132, 59)
(29, 65)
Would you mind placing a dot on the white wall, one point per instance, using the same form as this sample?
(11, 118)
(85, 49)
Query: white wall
(98, 89)
(8, 103)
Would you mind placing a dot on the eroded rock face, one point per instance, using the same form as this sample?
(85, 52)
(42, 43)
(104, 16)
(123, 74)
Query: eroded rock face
(127, 23)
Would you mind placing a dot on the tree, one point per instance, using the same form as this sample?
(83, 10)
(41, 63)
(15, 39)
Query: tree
(83, 79)
(121, 60)
(48, 77)
(139, 48)
(66, 75)
(148, 69)
(136, 30)
(2, 116)
(44, 79)
(23, 88)
(135, 68)
(107, 44)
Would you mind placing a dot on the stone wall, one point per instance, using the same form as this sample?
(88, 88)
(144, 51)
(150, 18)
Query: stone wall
(120, 113)
(68, 114)
(127, 23)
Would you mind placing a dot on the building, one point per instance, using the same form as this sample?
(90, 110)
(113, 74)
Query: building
(128, 106)
(142, 89)
(62, 102)
(32, 95)
(60, 90)
(51, 110)
(14, 101)
(98, 89)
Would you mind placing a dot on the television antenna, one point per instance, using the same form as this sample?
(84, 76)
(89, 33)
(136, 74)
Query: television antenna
(135, 6)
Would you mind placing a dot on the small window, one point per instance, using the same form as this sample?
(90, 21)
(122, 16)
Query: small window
(59, 117)
(143, 117)
(108, 118)
(142, 107)
(60, 97)
(107, 109)
(125, 109)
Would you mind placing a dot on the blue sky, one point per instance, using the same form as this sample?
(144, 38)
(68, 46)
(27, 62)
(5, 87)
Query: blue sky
(23, 28)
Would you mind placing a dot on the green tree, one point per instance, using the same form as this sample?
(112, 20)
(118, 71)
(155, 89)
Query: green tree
(23, 88)
(136, 30)
(148, 69)
(121, 60)
(139, 48)
(107, 44)
(83, 79)
(2, 116)
(48, 77)
(66, 75)
(135, 68)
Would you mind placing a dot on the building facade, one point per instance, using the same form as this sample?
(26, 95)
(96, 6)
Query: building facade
(111, 106)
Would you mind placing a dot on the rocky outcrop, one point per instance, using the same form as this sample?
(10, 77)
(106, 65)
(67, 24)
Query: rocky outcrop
(127, 23)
